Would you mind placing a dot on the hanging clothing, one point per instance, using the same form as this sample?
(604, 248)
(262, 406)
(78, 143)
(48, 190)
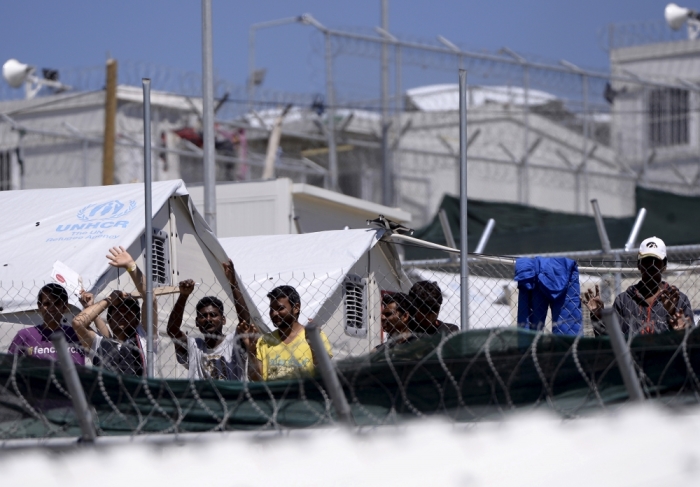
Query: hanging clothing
(549, 283)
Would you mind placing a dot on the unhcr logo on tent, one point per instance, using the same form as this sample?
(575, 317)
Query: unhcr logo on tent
(105, 211)
(95, 222)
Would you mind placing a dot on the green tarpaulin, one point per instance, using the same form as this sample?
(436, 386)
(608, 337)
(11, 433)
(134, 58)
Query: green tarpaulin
(523, 229)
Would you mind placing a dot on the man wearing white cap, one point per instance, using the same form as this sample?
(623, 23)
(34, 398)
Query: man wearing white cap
(650, 306)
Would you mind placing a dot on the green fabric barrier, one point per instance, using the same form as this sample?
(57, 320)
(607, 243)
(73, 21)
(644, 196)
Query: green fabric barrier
(474, 375)
(523, 229)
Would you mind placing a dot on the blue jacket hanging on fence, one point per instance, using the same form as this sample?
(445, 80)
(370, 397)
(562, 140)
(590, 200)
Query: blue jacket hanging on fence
(545, 282)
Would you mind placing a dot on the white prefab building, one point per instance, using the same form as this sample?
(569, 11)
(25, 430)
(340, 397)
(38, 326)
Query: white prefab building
(55, 235)
(339, 275)
(283, 207)
(57, 140)
(656, 116)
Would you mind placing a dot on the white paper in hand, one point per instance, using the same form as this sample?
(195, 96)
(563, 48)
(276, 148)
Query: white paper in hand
(68, 278)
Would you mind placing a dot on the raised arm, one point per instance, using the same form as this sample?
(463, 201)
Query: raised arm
(241, 306)
(175, 321)
(81, 323)
(88, 299)
(120, 258)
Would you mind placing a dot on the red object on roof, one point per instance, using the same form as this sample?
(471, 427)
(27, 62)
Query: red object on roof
(190, 134)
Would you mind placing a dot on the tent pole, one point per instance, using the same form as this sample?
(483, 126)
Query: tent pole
(148, 233)
(463, 264)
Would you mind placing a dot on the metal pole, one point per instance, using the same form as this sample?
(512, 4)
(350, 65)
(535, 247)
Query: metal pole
(629, 245)
(251, 66)
(328, 374)
(446, 230)
(330, 96)
(586, 137)
(623, 356)
(463, 264)
(399, 96)
(600, 225)
(86, 163)
(148, 232)
(387, 170)
(484, 240)
(208, 118)
(75, 388)
(525, 174)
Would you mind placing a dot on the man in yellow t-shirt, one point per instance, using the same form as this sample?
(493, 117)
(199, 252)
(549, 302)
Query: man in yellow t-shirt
(285, 352)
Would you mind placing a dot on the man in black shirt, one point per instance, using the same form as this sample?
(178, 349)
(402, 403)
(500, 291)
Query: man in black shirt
(426, 298)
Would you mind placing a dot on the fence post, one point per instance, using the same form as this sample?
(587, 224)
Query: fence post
(484, 240)
(148, 232)
(328, 374)
(600, 225)
(77, 395)
(623, 356)
(629, 245)
(463, 255)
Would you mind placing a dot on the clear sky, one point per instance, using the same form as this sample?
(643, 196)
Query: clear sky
(77, 33)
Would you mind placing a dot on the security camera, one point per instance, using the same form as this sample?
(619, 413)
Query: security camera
(16, 73)
(676, 16)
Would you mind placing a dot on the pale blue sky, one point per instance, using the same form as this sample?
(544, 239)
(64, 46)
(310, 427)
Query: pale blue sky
(76, 33)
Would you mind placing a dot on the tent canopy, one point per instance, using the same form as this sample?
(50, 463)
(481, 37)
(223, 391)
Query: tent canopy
(314, 263)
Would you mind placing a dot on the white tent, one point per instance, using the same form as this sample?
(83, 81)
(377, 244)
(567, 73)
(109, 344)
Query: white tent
(73, 228)
(322, 266)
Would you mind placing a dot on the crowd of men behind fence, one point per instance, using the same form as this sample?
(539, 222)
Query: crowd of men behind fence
(119, 344)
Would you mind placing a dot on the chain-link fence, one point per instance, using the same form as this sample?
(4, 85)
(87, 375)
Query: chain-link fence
(235, 356)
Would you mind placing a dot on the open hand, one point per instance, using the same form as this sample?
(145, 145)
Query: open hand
(669, 299)
(119, 257)
(186, 287)
(593, 301)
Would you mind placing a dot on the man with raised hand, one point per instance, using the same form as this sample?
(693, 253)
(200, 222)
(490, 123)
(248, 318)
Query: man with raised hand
(285, 352)
(215, 356)
(125, 351)
(649, 306)
(35, 341)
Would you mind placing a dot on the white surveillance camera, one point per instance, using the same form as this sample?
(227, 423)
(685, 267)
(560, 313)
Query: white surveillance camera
(16, 73)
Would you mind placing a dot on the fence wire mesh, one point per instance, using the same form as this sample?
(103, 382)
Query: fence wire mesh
(232, 355)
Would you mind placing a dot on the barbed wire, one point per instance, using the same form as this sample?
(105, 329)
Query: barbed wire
(401, 368)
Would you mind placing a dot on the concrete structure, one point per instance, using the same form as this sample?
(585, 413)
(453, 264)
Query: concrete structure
(283, 207)
(58, 138)
(656, 129)
(561, 169)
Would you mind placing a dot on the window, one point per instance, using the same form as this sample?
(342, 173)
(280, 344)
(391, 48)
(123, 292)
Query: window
(669, 113)
(5, 170)
(161, 258)
(355, 305)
